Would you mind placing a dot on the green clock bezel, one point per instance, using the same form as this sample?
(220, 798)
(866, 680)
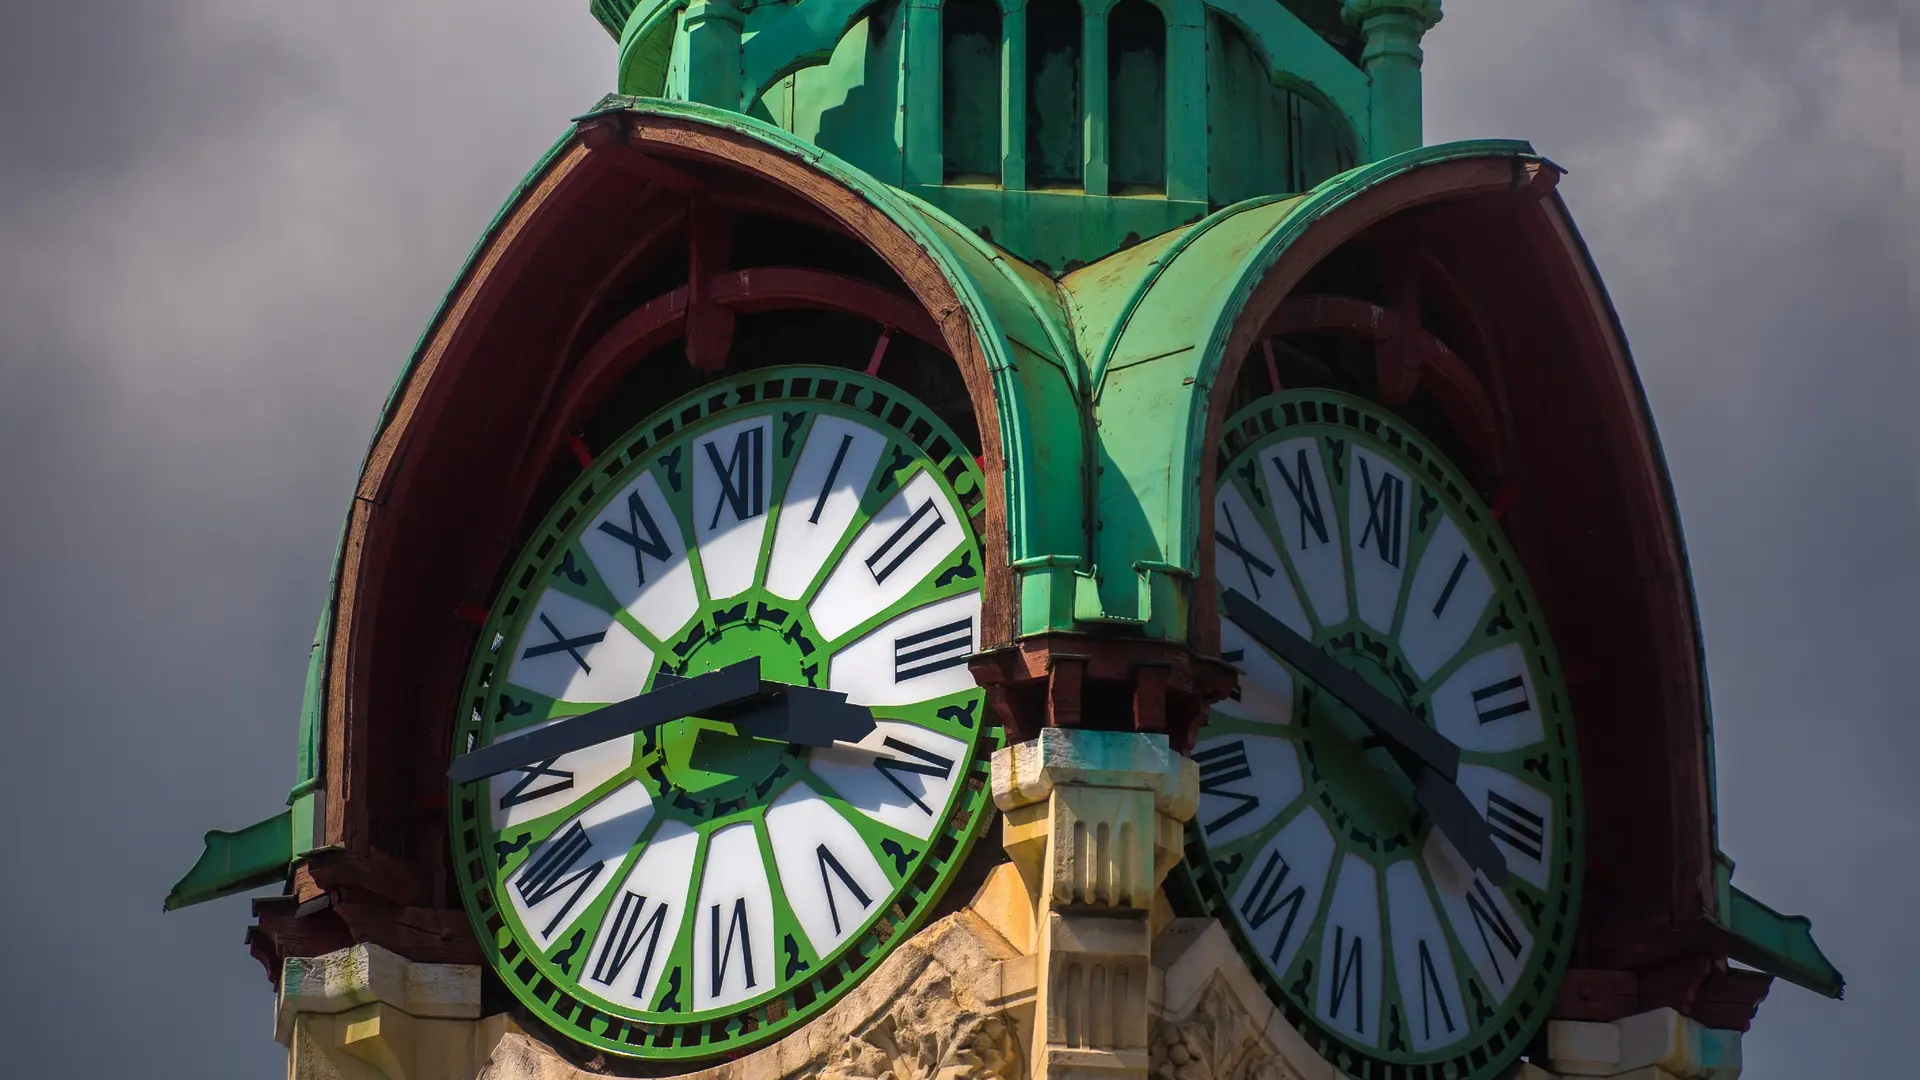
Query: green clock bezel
(540, 980)
(1552, 915)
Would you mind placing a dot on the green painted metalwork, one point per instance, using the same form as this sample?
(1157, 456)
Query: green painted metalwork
(1153, 356)
(234, 862)
(1393, 29)
(867, 82)
(1766, 940)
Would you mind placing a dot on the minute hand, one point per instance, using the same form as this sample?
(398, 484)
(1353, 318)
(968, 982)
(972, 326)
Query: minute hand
(1387, 719)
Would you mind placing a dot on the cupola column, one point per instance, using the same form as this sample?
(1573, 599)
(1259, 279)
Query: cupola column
(1393, 29)
(712, 29)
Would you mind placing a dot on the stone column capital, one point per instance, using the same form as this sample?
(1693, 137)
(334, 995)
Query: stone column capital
(1027, 773)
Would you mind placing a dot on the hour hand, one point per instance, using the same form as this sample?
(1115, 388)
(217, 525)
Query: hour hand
(701, 695)
(1429, 759)
(1453, 813)
(1386, 718)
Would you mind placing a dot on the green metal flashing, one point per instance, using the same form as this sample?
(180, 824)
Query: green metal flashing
(646, 46)
(1764, 939)
(1302, 61)
(234, 862)
(612, 15)
(1156, 362)
(1062, 231)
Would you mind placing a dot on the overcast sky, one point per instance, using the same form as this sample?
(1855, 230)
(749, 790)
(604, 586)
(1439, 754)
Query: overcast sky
(224, 222)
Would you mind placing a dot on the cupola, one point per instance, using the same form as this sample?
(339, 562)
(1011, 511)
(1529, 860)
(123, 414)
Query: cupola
(1061, 130)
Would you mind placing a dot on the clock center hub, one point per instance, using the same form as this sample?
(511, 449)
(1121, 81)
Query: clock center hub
(1369, 795)
(707, 762)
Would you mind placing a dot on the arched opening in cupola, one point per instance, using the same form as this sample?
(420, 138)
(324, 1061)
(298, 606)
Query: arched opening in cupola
(1054, 114)
(1136, 98)
(1265, 139)
(970, 91)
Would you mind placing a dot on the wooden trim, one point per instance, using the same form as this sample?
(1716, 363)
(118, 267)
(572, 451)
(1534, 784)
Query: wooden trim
(361, 567)
(1657, 548)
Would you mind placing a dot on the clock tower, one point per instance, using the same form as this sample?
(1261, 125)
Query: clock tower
(979, 538)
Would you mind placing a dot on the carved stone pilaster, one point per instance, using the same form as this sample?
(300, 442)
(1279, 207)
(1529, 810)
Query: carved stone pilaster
(1093, 820)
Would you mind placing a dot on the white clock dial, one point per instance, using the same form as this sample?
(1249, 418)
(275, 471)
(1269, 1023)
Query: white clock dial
(693, 889)
(1358, 915)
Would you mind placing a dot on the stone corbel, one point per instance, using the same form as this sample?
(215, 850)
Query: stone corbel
(1656, 1045)
(364, 1013)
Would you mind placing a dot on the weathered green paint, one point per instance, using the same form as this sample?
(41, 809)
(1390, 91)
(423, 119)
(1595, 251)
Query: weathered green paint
(1137, 99)
(1768, 941)
(1393, 30)
(234, 862)
(1273, 131)
(1061, 231)
(1155, 358)
(970, 91)
(869, 83)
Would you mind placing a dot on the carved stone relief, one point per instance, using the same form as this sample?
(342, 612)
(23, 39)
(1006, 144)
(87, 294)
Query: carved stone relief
(1216, 1041)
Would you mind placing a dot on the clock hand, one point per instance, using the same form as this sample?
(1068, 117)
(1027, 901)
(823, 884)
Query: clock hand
(1428, 758)
(1453, 814)
(690, 697)
(789, 712)
(803, 715)
(1387, 719)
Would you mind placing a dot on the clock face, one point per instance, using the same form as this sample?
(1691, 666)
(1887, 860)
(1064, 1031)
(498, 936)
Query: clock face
(1365, 924)
(689, 890)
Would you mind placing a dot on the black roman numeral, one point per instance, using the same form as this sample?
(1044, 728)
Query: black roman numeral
(625, 939)
(743, 481)
(929, 764)
(563, 643)
(934, 521)
(1349, 970)
(1261, 905)
(523, 790)
(932, 650)
(1487, 917)
(829, 862)
(736, 923)
(552, 870)
(1306, 497)
(833, 473)
(1516, 826)
(1487, 703)
(642, 534)
(1430, 992)
(1230, 539)
(1221, 766)
(1446, 594)
(1386, 514)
